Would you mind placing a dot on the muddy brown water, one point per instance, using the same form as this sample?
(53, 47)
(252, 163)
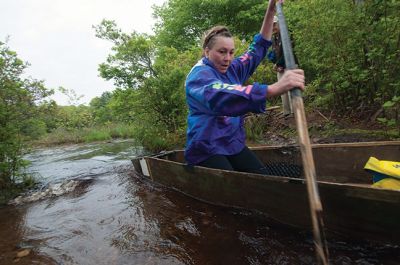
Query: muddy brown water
(114, 217)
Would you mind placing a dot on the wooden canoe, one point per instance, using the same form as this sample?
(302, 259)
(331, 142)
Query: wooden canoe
(351, 206)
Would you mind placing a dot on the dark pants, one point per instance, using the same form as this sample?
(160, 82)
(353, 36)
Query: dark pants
(244, 161)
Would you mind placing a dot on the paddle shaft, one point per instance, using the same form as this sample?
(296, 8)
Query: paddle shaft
(305, 146)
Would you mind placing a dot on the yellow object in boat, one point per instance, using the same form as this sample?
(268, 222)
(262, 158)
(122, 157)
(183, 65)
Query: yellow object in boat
(389, 168)
(386, 174)
(388, 183)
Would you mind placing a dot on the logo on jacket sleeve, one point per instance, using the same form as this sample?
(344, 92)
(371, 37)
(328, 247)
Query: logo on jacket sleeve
(245, 89)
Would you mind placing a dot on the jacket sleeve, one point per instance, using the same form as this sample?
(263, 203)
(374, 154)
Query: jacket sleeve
(271, 56)
(204, 90)
(246, 64)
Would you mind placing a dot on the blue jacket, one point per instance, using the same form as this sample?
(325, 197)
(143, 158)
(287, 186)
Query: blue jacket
(217, 102)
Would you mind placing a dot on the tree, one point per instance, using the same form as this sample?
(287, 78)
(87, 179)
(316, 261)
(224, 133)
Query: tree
(182, 23)
(18, 107)
(150, 80)
(133, 56)
(101, 109)
(350, 51)
(73, 98)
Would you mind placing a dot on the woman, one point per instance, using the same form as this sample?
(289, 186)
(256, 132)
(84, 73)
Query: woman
(217, 99)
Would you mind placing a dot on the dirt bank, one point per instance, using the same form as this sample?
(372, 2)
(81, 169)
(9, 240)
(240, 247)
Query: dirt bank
(322, 128)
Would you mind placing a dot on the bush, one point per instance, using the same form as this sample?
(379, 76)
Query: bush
(18, 108)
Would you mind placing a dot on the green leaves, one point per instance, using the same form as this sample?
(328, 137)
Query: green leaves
(182, 23)
(132, 60)
(352, 49)
(389, 104)
(392, 113)
(19, 99)
(150, 80)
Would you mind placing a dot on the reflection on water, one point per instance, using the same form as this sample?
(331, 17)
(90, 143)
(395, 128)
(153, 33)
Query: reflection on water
(115, 217)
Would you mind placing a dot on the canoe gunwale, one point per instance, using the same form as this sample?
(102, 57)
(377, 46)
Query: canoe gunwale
(272, 178)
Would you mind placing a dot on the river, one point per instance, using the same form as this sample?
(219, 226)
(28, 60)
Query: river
(110, 216)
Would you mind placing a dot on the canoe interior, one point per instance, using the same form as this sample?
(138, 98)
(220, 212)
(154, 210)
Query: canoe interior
(340, 163)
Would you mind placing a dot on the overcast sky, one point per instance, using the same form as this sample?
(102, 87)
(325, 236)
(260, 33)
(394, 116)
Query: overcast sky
(57, 39)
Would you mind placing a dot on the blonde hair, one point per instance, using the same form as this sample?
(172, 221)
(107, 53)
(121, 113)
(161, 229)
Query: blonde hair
(210, 35)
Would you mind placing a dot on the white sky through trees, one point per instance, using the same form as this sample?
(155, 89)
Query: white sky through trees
(57, 39)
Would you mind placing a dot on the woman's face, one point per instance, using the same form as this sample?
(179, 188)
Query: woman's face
(221, 53)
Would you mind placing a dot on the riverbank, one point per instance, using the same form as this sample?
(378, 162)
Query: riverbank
(275, 129)
(85, 135)
(271, 128)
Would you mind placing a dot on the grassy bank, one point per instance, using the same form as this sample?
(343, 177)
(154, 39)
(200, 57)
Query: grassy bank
(86, 135)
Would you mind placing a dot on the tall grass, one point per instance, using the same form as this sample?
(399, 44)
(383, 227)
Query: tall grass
(86, 135)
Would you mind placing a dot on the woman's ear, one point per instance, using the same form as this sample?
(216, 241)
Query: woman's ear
(206, 52)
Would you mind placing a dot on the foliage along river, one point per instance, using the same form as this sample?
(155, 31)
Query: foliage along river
(113, 217)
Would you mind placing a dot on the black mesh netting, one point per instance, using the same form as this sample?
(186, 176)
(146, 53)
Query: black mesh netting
(284, 169)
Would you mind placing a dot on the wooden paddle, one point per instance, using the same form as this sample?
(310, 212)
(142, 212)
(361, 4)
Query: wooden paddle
(305, 147)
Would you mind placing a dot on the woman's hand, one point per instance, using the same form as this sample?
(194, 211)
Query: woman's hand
(289, 80)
